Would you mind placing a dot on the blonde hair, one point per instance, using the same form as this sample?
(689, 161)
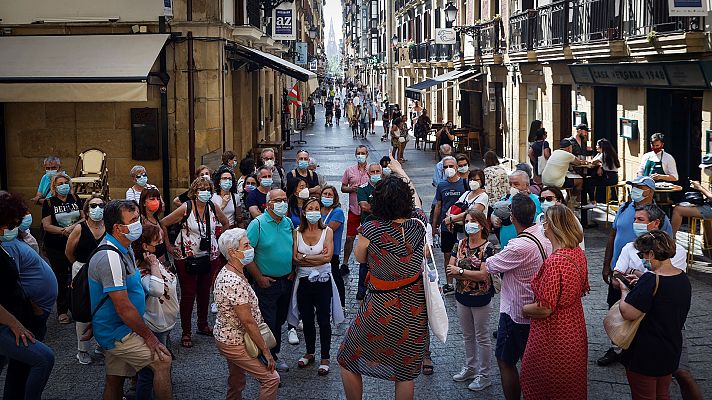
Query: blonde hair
(53, 183)
(564, 226)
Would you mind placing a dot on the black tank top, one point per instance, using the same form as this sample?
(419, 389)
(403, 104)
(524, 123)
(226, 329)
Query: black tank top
(86, 244)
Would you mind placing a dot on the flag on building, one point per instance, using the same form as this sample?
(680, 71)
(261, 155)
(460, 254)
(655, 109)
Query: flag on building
(294, 98)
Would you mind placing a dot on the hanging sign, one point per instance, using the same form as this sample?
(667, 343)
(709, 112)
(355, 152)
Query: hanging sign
(445, 36)
(688, 8)
(313, 66)
(300, 56)
(283, 24)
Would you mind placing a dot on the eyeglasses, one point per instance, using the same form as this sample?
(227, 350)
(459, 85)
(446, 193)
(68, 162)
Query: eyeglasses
(641, 254)
(95, 205)
(141, 176)
(448, 166)
(547, 198)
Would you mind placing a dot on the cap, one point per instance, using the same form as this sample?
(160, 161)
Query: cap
(564, 143)
(706, 161)
(582, 126)
(643, 180)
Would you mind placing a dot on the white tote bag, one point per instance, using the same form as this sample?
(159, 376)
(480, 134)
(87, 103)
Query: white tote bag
(437, 315)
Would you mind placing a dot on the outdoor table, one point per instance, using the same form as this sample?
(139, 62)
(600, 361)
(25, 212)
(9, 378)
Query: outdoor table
(662, 198)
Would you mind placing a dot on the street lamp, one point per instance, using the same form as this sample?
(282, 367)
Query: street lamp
(313, 32)
(450, 13)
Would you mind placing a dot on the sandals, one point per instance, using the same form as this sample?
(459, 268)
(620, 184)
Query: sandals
(323, 370)
(428, 368)
(186, 341)
(64, 319)
(205, 331)
(305, 361)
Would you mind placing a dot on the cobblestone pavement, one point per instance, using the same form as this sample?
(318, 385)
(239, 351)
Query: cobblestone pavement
(200, 372)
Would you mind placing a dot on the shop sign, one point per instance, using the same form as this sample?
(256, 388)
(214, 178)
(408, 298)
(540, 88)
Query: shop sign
(167, 8)
(312, 66)
(665, 74)
(445, 36)
(283, 22)
(629, 75)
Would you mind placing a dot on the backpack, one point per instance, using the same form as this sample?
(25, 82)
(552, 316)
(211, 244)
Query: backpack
(174, 230)
(79, 298)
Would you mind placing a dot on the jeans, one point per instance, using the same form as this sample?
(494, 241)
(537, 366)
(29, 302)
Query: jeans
(475, 332)
(643, 387)
(311, 295)
(61, 268)
(29, 367)
(144, 383)
(338, 279)
(362, 272)
(274, 305)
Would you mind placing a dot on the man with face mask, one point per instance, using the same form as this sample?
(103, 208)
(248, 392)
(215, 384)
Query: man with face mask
(302, 172)
(129, 344)
(518, 183)
(622, 233)
(353, 178)
(657, 163)
(364, 195)
(446, 194)
(268, 160)
(52, 165)
(256, 201)
(270, 235)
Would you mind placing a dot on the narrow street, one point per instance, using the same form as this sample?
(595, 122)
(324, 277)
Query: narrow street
(200, 372)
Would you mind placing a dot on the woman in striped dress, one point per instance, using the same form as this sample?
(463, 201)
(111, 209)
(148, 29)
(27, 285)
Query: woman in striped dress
(388, 336)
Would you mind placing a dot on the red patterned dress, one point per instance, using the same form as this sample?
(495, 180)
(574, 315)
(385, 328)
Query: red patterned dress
(556, 357)
(387, 338)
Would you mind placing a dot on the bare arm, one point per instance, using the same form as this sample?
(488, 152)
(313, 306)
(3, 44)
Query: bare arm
(536, 311)
(345, 188)
(365, 206)
(361, 249)
(243, 312)
(72, 242)
(48, 227)
(176, 216)
(436, 213)
(608, 257)
(627, 311)
(130, 316)
(177, 201)
(254, 211)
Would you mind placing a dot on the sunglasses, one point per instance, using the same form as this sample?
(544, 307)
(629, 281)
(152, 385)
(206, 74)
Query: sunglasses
(449, 166)
(141, 176)
(641, 254)
(95, 205)
(547, 198)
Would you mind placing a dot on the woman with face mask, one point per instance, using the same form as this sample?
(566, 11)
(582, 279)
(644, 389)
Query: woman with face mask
(248, 184)
(195, 252)
(314, 287)
(203, 171)
(60, 214)
(551, 196)
(159, 284)
(333, 217)
(473, 299)
(474, 199)
(150, 206)
(25, 235)
(662, 297)
(557, 337)
(83, 240)
(140, 178)
(296, 200)
(239, 315)
(227, 199)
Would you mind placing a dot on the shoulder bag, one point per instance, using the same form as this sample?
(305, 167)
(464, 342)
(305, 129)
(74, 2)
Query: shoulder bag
(620, 330)
(250, 346)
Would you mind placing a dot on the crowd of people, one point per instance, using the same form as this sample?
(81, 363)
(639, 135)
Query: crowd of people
(265, 243)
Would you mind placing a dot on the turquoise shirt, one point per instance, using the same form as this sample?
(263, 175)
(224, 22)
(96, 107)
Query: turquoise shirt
(510, 232)
(272, 241)
(43, 188)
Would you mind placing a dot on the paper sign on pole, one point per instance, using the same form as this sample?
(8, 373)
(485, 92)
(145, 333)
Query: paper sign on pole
(283, 25)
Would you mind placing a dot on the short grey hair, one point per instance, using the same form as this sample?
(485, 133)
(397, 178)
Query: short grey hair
(312, 161)
(449, 158)
(266, 150)
(230, 239)
(52, 160)
(135, 170)
(521, 173)
(445, 149)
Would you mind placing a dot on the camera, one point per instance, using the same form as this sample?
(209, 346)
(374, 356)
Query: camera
(204, 244)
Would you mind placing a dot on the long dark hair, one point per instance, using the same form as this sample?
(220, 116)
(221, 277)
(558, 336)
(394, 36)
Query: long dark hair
(392, 199)
(535, 126)
(293, 197)
(303, 222)
(610, 158)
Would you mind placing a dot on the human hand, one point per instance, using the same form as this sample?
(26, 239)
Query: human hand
(174, 250)
(496, 221)
(606, 273)
(695, 185)
(632, 279)
(157, 348)
(264, 282)
(271, 365)
(21, 334)
(655, 176)
(452, 271)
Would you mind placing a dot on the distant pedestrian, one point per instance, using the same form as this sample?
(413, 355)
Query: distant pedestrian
(52, 165)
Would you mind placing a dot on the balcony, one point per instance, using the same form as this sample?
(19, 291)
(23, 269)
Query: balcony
(491, 42)
(522, 26)
(250, 30)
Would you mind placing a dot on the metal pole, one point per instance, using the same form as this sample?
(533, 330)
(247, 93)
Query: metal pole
(165, 157)
(191, 107)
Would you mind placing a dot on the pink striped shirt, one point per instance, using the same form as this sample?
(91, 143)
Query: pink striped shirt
(520, 260)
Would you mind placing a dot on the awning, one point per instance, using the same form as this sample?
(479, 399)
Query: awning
(81, 68)
(279, 64)
(415, 91)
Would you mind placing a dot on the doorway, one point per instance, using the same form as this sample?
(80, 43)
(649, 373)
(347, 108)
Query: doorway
(605, 114)
(678, 115)
(471, 109)
(565, 112)
(498, 118)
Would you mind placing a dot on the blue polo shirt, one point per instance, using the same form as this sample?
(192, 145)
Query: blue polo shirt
(337, 215)
(36, 276)
(110, 272)
(43, 188)
(623, 225)
(506, 233)
(272, 242)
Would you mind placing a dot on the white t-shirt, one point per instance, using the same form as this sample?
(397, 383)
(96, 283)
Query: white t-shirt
(599, 157)
(669, 164)
(482, 198)
(132, 194)
(629, 260)
(229, 209)
(554, 173)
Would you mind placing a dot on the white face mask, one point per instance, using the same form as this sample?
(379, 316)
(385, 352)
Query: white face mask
(474, 185)
(304, 194)
(450, 172)
(269, 163)
(708, 171)
(513, 191)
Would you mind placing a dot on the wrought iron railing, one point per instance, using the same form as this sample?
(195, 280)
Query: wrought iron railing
(490, 38)
(594, 20)
(641, 17)
(521, 31)
(552, 22)
(253, 13)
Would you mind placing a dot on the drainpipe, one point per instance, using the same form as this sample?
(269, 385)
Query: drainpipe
(165, 157)
(191, 107)
(189, 10)
(3, 152)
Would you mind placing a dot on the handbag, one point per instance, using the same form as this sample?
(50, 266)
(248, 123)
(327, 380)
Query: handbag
(195, 265)
(250, 346)
(620, 330)
(435, 305)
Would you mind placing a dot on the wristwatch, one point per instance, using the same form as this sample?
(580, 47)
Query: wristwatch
(304, 256)
(462, 271)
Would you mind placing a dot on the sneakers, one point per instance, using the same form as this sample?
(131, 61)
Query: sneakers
(214, 308)
(98, 351)
(292, 336)
(84, 358)
(281, 366)
(448, 289)
(479, 383)
(464, 375)
(609, 358)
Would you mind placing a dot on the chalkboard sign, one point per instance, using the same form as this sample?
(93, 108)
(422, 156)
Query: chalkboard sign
(579, 117)
(144, 134)
(628, 128)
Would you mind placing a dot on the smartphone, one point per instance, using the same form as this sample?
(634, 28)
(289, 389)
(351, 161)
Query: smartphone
(262, 359)
(623, 279)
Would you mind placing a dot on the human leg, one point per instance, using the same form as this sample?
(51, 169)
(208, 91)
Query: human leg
(678, 213)
(338, 279)
(188, 288)
(511, 342)
(322, 302)
(466, 317)
(305, 305)
(353, 384)
(267, 298)
(285, 296)
(113, 387)
(405, 390)
(644, 387)
(205, 282)
(36, 357)
(61, 268)
(483, 344)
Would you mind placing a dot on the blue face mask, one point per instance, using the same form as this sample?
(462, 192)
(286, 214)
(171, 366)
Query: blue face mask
(361, 158)
(249, 188)
(9, 234)
(204, 195)
(266, 182)
(375, 179)
(646, 265)
(51, 172)
(226, 185)
(303, 164)
(546, 204)
(63, 189)
(472, 227)
(135, 231)
(313, 216)
(327, 201)
(636, 194)
(26, 222)
(96, 213)
(386, 171)
(280, 208)
(142, 181)
(640, 228)
(247, 256)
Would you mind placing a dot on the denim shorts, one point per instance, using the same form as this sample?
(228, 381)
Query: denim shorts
(511, 340)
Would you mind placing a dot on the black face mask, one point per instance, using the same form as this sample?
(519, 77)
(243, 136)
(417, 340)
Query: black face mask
(160, 250)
